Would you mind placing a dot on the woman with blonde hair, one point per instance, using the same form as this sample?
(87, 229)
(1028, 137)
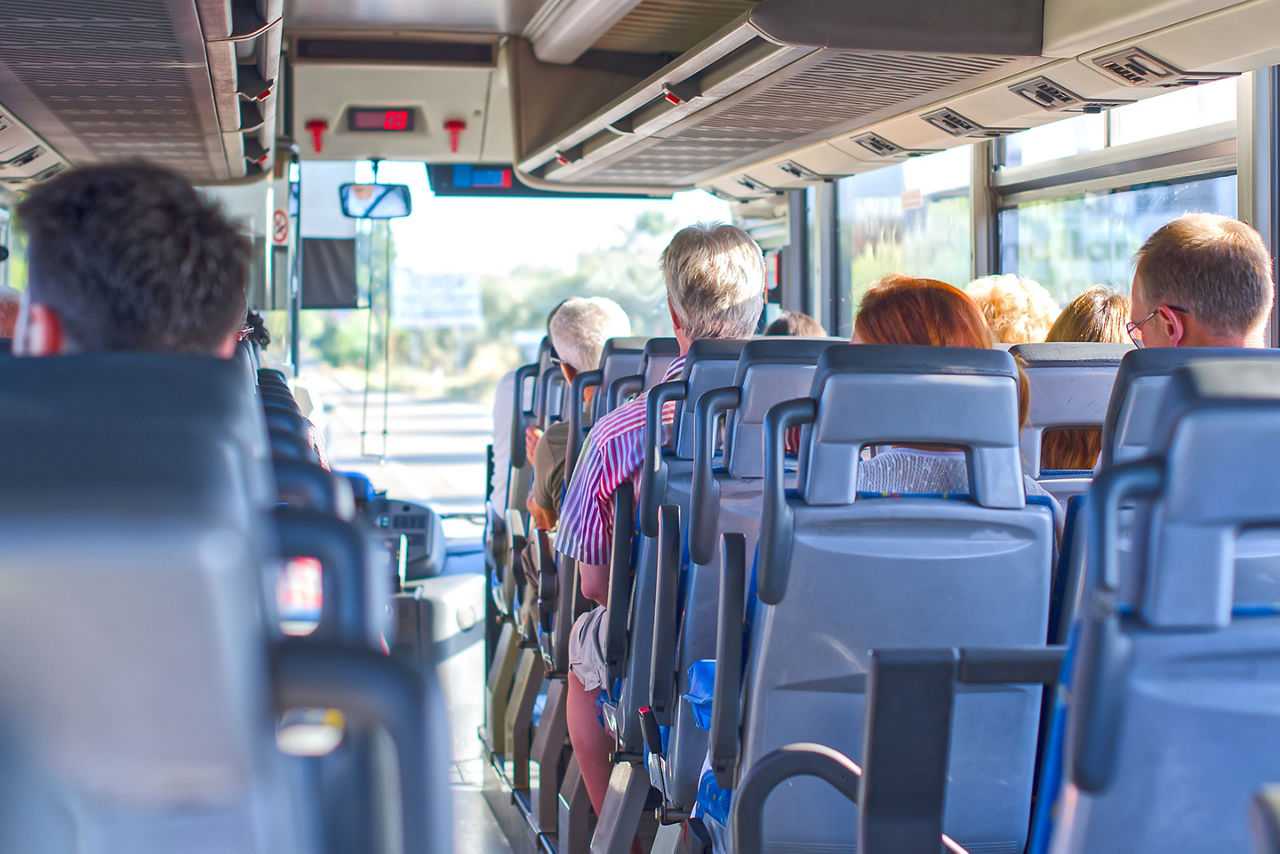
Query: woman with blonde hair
(1018, 310)
(1098, 315)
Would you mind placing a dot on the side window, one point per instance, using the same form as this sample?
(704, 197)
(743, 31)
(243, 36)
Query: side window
(1070, 243)
(1077, 197)
(912, 217)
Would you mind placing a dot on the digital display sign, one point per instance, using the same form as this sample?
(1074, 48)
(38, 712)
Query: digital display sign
(380, 119)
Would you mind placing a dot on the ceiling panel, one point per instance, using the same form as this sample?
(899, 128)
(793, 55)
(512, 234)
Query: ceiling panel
(101, 81)
(480, 16)
(670, 26)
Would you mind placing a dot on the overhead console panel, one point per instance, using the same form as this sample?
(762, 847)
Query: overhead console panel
(788, 74)
(799, 91)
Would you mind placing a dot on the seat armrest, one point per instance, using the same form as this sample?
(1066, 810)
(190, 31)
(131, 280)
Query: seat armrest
(651, 491)
(666, 606)
(619, 606)
(371, 688)
(775, 514)
(704, 503)
(577, 431)
(726, 699)
(746, 816)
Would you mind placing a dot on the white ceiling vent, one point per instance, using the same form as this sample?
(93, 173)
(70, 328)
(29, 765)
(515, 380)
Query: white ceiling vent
(1048, 95)
(1135, 67)
(949, 121)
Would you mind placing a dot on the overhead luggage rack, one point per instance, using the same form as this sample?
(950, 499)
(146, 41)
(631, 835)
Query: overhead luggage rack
(775, 80)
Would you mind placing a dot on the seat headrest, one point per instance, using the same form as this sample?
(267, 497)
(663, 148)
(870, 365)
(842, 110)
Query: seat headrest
(627, 344)
(873, 394)
(1084, 354)
(1218, 425)
(708, 364)
(659, 353)
(662, 347)
(1070, 384)
(1140, 384)
(621, 357)
(130, 392)
(769, 371)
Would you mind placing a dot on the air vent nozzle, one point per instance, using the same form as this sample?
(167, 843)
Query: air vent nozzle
(1050, 96)
(877, 144)
(949, 121)
(1135, 67)
(795, 170)
(22, 159)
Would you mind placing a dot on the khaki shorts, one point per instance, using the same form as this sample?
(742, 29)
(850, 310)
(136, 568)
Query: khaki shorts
(586, 650)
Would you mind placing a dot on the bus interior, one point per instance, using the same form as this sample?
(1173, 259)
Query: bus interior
(216, 643)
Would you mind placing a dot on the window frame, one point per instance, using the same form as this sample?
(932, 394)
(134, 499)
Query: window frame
(1249, 148)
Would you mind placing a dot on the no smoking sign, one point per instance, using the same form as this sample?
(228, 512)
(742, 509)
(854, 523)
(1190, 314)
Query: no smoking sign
(280, 228)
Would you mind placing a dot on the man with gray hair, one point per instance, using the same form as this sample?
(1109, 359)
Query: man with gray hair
(579, 330)
(1201, 281)
(715, 278)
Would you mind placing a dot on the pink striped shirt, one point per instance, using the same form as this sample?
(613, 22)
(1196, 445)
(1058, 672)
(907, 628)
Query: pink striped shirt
(614, 453)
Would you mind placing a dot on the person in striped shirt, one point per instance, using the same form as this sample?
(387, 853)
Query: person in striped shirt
(715, 278)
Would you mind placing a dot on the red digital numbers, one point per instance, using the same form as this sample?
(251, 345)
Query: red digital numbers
(395, 120)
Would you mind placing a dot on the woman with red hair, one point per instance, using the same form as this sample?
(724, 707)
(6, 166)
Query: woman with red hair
(903, 310)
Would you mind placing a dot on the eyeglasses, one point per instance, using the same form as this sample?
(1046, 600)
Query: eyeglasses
(245, 332)
(1135, 329)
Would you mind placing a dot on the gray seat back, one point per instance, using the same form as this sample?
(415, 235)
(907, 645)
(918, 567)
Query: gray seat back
(667, 480)
(1070, 385)
(149, 391)
(659, 353)
(134, 557)
(725, 498)
(1139, 387)
(709, 364)
(1132, 427)
(1179, 676)
(840, 573)
(621, 357)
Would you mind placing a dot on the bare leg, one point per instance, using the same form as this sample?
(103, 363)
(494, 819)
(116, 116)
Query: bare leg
(591, 742)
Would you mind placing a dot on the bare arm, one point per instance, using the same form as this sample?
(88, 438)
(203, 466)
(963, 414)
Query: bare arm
(543, 519)
(595, 582)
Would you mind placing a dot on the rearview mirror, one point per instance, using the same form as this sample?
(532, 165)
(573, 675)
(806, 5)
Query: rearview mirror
(375, 201)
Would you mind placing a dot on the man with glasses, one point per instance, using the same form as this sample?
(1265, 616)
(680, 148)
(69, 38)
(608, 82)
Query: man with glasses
(578, 329)
(1201, 281)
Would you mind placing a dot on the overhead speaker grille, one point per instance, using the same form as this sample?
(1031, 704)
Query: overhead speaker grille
(121, 80)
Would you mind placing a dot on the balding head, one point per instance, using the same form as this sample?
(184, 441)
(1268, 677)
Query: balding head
(1215, 272)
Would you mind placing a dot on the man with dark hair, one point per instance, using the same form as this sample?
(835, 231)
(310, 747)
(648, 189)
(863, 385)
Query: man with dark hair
(796, 324)
(129, 256)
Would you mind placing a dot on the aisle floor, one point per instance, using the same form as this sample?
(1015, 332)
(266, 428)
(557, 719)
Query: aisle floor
(474, 829)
